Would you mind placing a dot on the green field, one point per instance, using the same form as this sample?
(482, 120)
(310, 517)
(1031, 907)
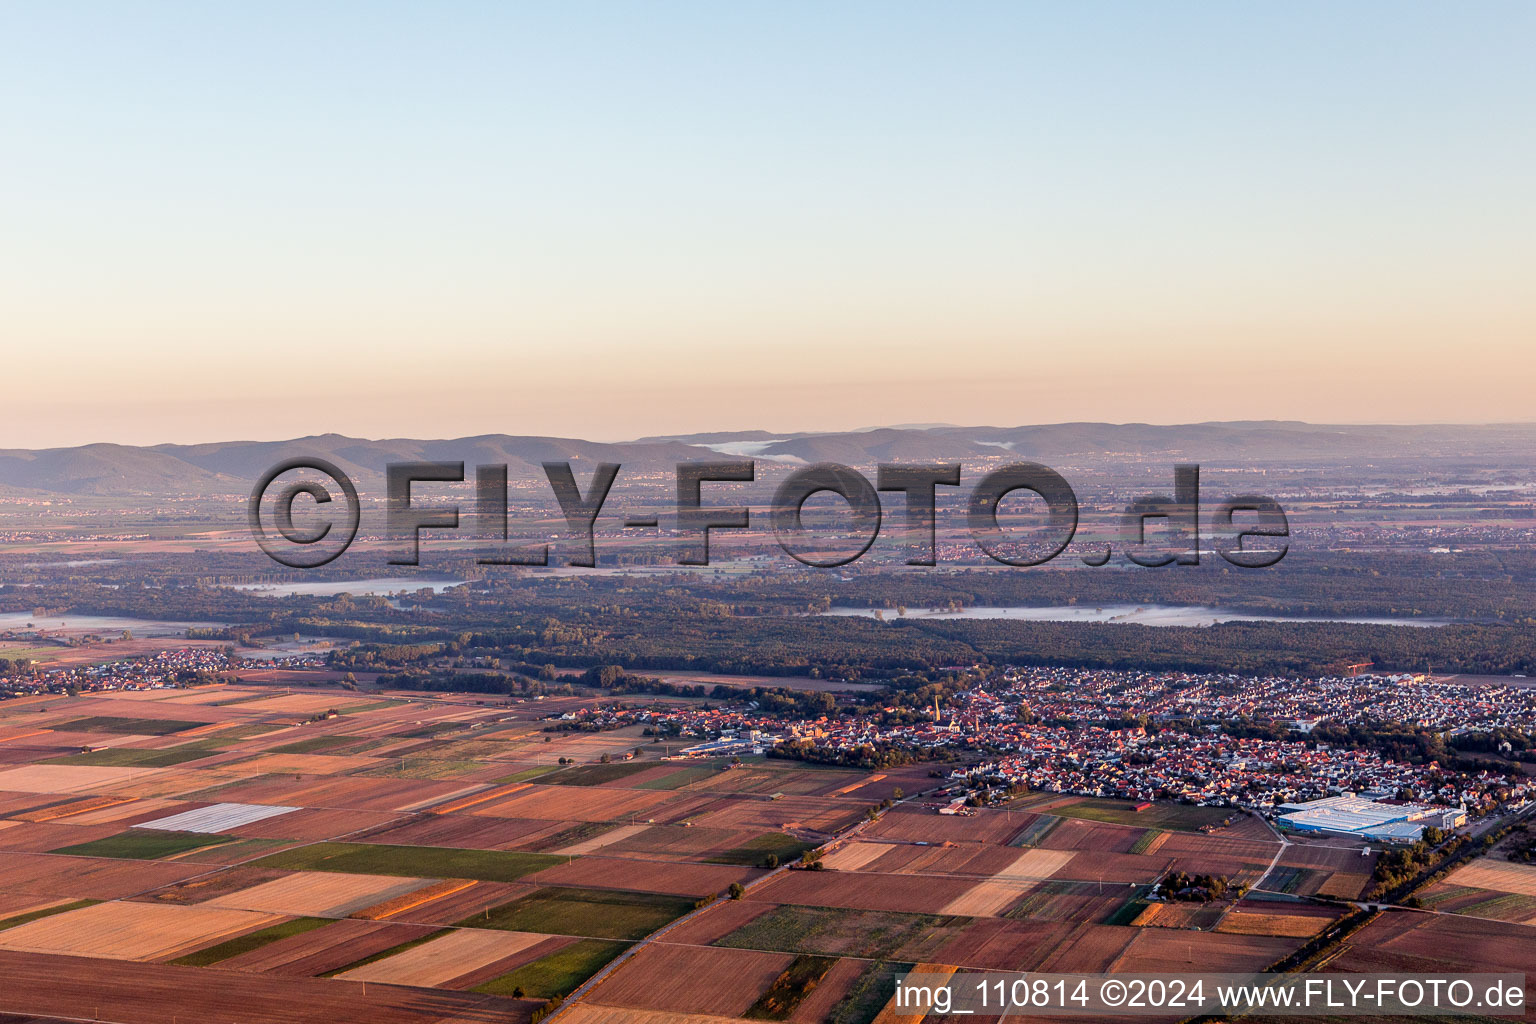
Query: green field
(1286, 878)
(357, 709)
(1035, 832)
(596, 913)
(313, 744)
(128, 726)
(128, 757)
(596, 774)
(1185, 817)
(682, 777)
(251, 940)
(427, 732)
(224, 737)
(558, 973)
(244, 698)
(526, 775)
(869, 994)
(834, 931)
(41, 653)
(1128, 911)
(419, 861)
(781, 845)
(136, 845)
(35, 915)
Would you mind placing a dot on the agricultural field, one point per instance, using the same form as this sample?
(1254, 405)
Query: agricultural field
(1498, 890)
(1168, 816)
(317, 839)
(1407, 942)
(240, 843)
(601, 913)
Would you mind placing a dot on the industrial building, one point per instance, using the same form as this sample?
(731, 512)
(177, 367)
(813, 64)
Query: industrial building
(1357, 816)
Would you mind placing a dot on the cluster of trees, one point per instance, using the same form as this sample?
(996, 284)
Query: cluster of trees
(1180, 885)
(1411, 744)
(1433, 863)
(1522, 847)
(1400, 867)
(648, 638)
(791, 987)
(1503, 741)
(867, 755)
(774, 699)
(372, 657)
(451, 681)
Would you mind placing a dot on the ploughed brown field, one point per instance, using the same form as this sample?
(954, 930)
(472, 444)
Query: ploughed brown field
(433, 861)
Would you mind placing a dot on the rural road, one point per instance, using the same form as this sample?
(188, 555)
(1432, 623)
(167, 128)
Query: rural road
(1258, 882)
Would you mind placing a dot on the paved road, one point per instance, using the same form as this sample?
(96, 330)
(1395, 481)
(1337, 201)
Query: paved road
(1284, 842)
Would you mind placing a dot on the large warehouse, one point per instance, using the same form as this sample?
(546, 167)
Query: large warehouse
(1369, 819)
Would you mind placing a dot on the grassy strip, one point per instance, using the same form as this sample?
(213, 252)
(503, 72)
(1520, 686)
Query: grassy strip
(413, 861)
(596, 774)
(358, 709)
(1127, 911)
(145, 845)
(873, 934)
(12, 922)
(252, 940)
(434, 729)
(244, 698)
(600, 913)
(752, 854)
(1145, 840)
(1035, 832)
(683, 776)
(128, 757)
(527, 774)
(556, 974)
(312, 744)
(128, 726)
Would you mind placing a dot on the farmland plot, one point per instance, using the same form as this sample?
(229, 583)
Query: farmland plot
(318, 893)
(690, 979)
(445, 958)
(131, 931)
(1498, 875)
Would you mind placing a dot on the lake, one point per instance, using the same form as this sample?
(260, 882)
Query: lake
(1144, 615)
(382, 586)
(97, 624)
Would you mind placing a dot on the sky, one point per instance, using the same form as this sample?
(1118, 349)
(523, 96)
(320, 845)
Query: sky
(612, 220)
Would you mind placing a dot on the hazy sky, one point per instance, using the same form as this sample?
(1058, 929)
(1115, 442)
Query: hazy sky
(269, 219)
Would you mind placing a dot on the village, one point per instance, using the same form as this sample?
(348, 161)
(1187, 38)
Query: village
(1213, 740)
(1144, 736)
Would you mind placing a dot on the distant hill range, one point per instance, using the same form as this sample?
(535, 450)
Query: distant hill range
(230, 467)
